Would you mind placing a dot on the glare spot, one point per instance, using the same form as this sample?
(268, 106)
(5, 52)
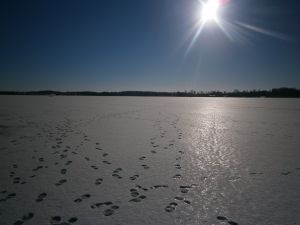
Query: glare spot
(209, 11)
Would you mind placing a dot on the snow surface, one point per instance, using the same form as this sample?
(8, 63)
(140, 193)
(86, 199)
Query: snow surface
(143, 160)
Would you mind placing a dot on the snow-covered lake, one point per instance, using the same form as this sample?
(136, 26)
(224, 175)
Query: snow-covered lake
(143, 160)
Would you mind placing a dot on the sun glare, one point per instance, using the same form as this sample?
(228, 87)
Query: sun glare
(209, 11)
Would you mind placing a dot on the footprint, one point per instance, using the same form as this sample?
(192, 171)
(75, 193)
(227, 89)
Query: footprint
(185, 188)
(18, 222)
(62, 156)
(27, 216)
(115, 207)
(118, 170)
(108, 212)
(223, 218)
(136, 195)
(134, 192)
(68, 163)
(55, 219)
(98, 181)
(146, 167)
(177, 166)
(37, 168)
(254, 173)
(9, 196)
(77, 200)
(134, 177)
(63, 171)
(142, 188)
(60, 182)
(73, 219)
(94, 167)
(106, 162)
(116, 173)
(16, 180)
(159, 186)
(11, 174)
(85, 196)
(41, 197)
(24, 219)
(100, 204)
(176, 176)
(187, 202)
(135, 200)
(171, 207)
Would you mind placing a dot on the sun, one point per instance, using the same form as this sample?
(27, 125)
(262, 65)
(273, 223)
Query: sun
(209, 11)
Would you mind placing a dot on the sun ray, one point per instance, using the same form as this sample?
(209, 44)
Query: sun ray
(264, 31)
(194, 38)
(235, 31)
(223, 29)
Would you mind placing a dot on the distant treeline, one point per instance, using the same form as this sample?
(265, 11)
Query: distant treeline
(273, 93)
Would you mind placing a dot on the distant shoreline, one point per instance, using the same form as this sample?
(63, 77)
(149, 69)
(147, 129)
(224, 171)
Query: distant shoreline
(273, 93)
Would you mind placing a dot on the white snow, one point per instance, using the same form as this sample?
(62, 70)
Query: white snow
(149, 160)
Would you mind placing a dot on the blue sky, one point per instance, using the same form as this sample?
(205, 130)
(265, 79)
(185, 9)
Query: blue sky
(117, 45)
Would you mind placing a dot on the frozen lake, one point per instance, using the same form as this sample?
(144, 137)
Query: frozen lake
(142, 160)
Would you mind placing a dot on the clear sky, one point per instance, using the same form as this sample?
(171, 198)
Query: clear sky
(143, 45)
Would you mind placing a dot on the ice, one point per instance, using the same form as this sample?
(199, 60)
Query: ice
(145, 160)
